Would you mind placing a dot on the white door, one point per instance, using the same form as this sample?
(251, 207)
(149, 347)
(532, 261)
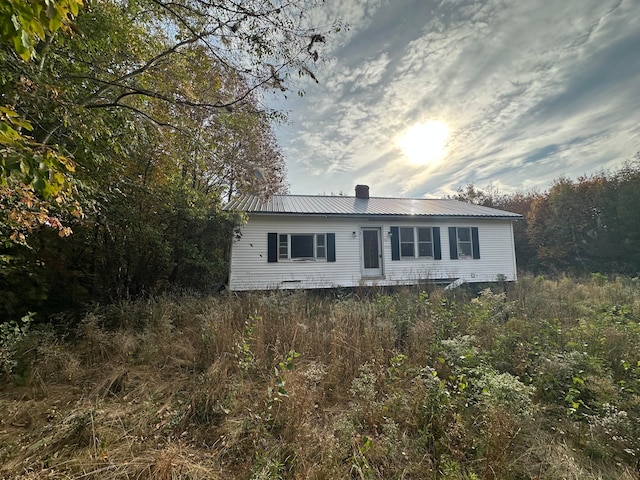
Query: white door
(371, 252)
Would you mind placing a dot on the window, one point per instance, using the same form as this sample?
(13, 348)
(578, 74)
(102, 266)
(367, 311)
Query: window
(407, 249)
(321, 246)
(283, 247)
(302, 246)
(415, 242)
(464, 243)
(425, 242)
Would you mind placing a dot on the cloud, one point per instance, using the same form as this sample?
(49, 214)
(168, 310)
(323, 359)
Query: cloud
(530, 91)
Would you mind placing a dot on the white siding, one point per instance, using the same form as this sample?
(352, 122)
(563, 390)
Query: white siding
(251, 271)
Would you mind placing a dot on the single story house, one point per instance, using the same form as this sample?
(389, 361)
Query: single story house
(304, 241)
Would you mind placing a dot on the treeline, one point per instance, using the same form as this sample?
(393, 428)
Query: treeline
(582, 226)
(124, 126)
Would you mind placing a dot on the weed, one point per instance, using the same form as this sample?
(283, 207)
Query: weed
(246, 358)
(542, 381)
(11, 334)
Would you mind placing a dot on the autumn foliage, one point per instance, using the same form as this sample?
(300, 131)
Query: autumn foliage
(124, 127)
(590, 224)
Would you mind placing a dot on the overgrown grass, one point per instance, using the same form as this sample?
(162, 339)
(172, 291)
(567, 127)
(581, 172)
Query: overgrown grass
(541, 381)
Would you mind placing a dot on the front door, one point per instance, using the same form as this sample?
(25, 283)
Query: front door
(371, 252)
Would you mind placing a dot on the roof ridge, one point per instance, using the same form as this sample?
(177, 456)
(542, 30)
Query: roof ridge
(348, 196)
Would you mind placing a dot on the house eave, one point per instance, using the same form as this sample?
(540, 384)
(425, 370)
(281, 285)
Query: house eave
(386, 216)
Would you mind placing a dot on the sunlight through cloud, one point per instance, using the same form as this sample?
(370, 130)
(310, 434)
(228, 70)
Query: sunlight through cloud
(425, 142)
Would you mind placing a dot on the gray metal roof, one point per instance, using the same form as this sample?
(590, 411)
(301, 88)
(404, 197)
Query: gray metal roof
(352, 206)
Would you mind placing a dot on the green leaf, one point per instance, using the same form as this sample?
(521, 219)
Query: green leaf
(25, 40)
(25, 168)
(37, 29)
(73, 5)
(55, 23)
(51, 11)
(16, 23)
(39, 185)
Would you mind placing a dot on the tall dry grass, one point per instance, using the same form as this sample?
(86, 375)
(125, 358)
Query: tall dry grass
(404, 384)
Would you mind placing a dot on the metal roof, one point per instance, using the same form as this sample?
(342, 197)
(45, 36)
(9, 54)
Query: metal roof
(352, 206)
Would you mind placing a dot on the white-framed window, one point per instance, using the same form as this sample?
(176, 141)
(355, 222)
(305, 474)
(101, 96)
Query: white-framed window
(463, 238)
(321, 245)
(407, 242)
(302, 246)
(416, 242)
(464, 243)
(425, 241)
(283, 246)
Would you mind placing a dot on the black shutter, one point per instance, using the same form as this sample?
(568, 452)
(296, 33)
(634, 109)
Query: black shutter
(272, 247)
(331, 247)
(453, 243)
(476, 243)
(395, 243)
(437, 251)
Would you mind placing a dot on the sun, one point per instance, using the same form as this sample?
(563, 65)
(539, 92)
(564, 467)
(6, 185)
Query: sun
(425, 142)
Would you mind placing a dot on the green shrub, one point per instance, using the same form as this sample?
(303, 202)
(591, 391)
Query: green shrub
(12, 333)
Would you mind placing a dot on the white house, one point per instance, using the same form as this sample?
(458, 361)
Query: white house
(294, 241)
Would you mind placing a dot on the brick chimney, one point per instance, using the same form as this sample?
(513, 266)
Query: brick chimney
(362, 191)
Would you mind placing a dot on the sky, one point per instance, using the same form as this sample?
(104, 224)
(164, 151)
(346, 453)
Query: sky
(421, 97)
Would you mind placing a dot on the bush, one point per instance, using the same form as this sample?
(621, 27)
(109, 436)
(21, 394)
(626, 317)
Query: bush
(12, 333)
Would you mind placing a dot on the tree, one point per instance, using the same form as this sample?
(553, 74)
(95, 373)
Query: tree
(24, 25)
(477, 196)
(522, 203)
(153, 46)
(154, 111)
(35, 179)
(621, 208)
(590, 224)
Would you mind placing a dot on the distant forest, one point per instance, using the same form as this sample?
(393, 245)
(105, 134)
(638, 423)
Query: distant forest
(587, 225)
